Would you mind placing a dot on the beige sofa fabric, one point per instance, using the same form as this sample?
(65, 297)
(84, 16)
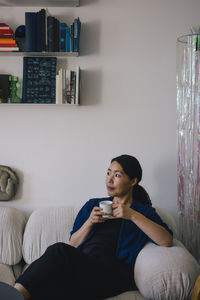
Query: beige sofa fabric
(44, 228)
(12, 223)
(132, 295)
(6, 275)
(166, 273)
(168, 219)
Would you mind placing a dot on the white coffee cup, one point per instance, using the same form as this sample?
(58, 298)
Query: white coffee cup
(107, 208)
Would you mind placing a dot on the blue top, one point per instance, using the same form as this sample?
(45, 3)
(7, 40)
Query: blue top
(131, 238)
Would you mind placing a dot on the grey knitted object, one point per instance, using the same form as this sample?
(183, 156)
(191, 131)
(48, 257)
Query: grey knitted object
(8, 183)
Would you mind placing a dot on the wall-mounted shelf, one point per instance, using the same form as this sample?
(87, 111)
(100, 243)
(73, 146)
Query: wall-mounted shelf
(42, 3)
(60, 54)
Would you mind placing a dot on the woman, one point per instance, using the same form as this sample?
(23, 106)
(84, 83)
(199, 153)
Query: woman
(99, 261)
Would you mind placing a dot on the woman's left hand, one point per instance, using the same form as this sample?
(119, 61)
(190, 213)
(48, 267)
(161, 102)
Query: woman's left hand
(122, 210)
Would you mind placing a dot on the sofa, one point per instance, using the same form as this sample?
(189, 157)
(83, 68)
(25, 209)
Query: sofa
(160, 272)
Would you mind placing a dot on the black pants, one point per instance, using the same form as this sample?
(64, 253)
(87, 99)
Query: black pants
(64, 272)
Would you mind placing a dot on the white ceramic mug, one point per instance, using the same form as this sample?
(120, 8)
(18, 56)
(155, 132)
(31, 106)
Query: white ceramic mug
(107, 208)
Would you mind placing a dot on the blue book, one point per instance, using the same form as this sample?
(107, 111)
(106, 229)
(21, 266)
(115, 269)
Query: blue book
(63, 37)
(68, 39)
(76, 34)
(30, 23)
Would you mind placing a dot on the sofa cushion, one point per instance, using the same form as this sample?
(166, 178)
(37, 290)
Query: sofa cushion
(165, 272)
(12, 223)
(6, 274)
(45, 227)
(132, 295)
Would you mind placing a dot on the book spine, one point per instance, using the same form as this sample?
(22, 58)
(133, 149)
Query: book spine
(42, 26)
(38, 47)
(57, 35)
(30, 21)
(76, 37)
(7, 45)
(71, 37)
(50, 33)
(7, 41)
(63, 37)
(77, 85)
(68, 86)
(6, 36)
(64, 94)
(60, 100)
(68, 39)
(6, 31)
(9, 49)
(73, 87)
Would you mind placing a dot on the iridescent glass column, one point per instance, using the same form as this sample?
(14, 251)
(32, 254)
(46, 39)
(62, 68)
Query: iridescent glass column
(188, 129)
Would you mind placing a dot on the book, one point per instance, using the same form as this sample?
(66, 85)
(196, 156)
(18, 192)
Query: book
(73, 87)
(57, 35)
(8, 48)
(63, 27)
(7, 45)
(68, 43)
(5, 86)
(39, 80)
(41, 30)
(7, 41)
(4, 26)
(78, 78)
(53, 34)
(59, 88)
(30, 23)
(68, 86)
(6, 31)
(72, 37)
(63, 92)
(76, 34)
(5, 36)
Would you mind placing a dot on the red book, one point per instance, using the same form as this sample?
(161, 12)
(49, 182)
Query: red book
(6, 36)
(8, 45)
(4, 26)
(5, 31)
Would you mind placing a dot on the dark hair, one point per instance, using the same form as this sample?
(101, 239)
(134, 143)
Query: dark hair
(132, 168)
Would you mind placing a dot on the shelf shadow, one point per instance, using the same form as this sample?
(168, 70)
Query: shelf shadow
(90, 38)
(87, 2)
(91, 87)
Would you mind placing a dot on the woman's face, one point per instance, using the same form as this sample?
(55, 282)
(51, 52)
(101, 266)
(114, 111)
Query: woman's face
(118, 183)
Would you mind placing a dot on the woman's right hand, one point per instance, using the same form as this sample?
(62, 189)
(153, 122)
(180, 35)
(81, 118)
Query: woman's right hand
(96, 216)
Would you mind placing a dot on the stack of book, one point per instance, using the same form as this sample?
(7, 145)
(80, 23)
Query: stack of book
(68, 86)
(7, 41)
(47, 33)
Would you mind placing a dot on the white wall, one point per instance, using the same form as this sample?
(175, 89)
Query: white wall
(128, 58)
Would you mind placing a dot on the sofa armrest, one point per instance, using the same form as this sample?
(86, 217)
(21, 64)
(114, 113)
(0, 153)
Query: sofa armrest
(165, 272)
